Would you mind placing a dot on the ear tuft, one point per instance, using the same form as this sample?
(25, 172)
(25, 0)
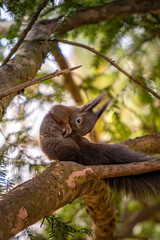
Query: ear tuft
(91, 104)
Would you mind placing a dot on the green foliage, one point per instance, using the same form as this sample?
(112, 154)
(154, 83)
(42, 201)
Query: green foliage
(70, 223)
(2, 179)
(61, 230)
(74, 5)
(20, 9)
(6, 184)
(21, 13)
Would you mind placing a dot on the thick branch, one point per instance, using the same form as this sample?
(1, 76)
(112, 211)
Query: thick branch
(111, 171)
(106, 11)
(39, 197)
(93, 15)
(23, 67)
(59, 184)
(149, 144)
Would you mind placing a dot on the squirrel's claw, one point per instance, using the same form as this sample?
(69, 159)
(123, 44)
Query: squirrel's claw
(66, 131)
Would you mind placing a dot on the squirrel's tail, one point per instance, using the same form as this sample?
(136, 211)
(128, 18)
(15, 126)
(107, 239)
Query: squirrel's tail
(138, 186)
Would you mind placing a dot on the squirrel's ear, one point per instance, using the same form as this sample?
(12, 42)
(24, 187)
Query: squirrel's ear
(93, 103)
(101, 110)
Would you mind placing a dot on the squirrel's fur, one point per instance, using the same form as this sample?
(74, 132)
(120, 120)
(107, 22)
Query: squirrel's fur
(61, 138)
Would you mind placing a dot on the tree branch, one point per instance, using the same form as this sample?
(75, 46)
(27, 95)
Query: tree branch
(20, 69)
(68, 80)
(38, 80)
(39, 197)
(106, 11)
(112, 63)
(149, 144)
(93, 15)
(27, 29)
(59, 184)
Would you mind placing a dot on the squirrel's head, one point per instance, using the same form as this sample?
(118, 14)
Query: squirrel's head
(78, 120)
(83, 120)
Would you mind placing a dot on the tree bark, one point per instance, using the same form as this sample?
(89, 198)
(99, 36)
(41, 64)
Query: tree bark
(55, 187)
(149, 144)
(101, 209)
(106, 11)
(20, 69)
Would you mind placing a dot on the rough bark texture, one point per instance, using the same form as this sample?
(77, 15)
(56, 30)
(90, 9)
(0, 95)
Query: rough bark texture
(26, 30)
(149, 144)
(101, 209)
(21, 69)
(39, 197)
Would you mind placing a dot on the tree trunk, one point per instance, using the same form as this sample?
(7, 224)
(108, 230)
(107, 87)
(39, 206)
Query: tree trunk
(101, 209)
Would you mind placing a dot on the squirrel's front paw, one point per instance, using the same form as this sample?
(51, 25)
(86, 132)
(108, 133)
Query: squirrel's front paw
(66, 131)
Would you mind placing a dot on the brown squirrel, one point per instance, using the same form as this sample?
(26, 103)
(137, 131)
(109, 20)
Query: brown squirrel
(61, 138)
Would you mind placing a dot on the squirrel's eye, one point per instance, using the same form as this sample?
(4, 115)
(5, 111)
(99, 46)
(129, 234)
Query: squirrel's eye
(78, 120)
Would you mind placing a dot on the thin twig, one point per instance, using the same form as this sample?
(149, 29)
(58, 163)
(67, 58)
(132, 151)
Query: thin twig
(112, 63)
(26, 30)
(34, 81)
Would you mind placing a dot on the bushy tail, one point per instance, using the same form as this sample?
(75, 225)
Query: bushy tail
(138, 186)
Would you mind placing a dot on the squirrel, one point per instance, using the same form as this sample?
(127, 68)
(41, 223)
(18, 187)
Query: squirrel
(62, 138)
